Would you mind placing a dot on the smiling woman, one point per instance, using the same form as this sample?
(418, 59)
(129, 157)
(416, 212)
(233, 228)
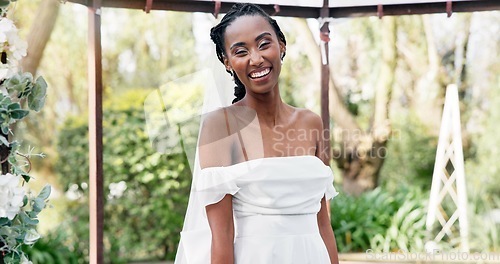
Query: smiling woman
(255, 60)
(258, 196)
(240, 46)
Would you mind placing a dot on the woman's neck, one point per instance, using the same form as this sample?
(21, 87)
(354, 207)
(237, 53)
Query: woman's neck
(269, 107)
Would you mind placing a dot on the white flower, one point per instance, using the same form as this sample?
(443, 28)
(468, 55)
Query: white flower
(4, 71)
(6, 26)
(116, 189)
(14, 47)
(8, 70)
(11, 195)
(31, 237)
(25, 260)
(17, 46)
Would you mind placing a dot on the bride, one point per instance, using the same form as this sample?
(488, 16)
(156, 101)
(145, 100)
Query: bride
(260, 189)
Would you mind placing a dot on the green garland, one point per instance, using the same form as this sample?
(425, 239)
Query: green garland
(20, 93)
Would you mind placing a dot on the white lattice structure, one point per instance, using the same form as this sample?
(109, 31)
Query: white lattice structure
(446, 183)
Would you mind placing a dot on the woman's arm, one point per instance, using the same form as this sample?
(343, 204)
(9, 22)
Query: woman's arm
(213, 139)
(325, 227)
(326, 232)
(220, 219)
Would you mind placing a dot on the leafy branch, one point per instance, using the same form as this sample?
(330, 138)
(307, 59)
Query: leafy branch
(19, 93)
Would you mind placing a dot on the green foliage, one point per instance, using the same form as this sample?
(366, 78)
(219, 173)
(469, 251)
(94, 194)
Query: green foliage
(144, 220)
(20, 86)
(21, 230)
(482, 173)
(407, 229)
(52, 249)
(484, 233)
(293, 89)
(483, 170)
(379, 220)
(19, 218)
(4, 4)
(147, 50)
(410, 155)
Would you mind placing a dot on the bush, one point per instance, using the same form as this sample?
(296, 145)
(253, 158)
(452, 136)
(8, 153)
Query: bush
(484, 232)
(379, 220)
(53, 249)
(411, 153)
(146, 191)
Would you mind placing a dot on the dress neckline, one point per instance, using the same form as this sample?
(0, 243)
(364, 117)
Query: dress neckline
(269, 158)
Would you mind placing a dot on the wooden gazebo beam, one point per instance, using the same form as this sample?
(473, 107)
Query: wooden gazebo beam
(308, 12)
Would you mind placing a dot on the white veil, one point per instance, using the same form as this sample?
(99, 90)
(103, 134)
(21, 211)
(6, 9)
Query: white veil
(173, 124)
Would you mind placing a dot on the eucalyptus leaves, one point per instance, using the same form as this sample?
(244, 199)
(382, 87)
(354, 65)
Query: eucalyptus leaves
(19, 93)
(20, 86)
(4, 4)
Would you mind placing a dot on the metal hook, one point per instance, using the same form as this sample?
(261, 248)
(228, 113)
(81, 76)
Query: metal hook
(449, 8)
(149, 5)
(380, 11)
(217, 8)
(324, 29)
(276, 10)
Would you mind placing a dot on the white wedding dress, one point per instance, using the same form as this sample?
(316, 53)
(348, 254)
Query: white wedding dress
(275, 206)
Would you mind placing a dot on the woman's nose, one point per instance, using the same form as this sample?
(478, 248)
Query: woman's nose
(256, 58)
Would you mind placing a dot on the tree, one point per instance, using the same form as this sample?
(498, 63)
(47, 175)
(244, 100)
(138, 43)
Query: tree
(39, 35)
(360, 154)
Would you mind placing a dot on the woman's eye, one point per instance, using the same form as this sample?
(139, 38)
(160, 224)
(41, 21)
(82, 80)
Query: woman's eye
(240, 52)
(264, 44)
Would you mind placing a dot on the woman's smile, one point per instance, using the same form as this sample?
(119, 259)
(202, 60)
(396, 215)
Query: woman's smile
(259, 73)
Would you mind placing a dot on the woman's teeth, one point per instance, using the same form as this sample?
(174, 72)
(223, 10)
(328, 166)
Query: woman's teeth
(261, 73)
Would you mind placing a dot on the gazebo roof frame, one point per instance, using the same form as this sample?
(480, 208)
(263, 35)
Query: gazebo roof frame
(360, 8)
(374, 8)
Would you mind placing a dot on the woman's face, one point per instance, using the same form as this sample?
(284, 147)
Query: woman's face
(254, 53)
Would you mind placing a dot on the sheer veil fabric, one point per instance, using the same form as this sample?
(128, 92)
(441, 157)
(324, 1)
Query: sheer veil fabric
(237, 127)
(174, 124)
(194, 246)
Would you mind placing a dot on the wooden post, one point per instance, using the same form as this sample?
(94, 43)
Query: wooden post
(96, 195)
(325, 77)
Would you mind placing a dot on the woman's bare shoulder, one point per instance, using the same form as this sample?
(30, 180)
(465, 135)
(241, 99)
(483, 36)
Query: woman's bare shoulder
(213, 139)
(308, 118)
(229, 119)
(213, 126)
(214, 118)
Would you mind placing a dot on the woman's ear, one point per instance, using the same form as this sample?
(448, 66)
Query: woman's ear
(227, 65)
(282, 50)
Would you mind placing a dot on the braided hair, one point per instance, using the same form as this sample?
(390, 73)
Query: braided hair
(217, 36)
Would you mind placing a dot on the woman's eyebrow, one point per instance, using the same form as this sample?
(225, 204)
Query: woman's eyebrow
(262, 35)
(239, 44)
